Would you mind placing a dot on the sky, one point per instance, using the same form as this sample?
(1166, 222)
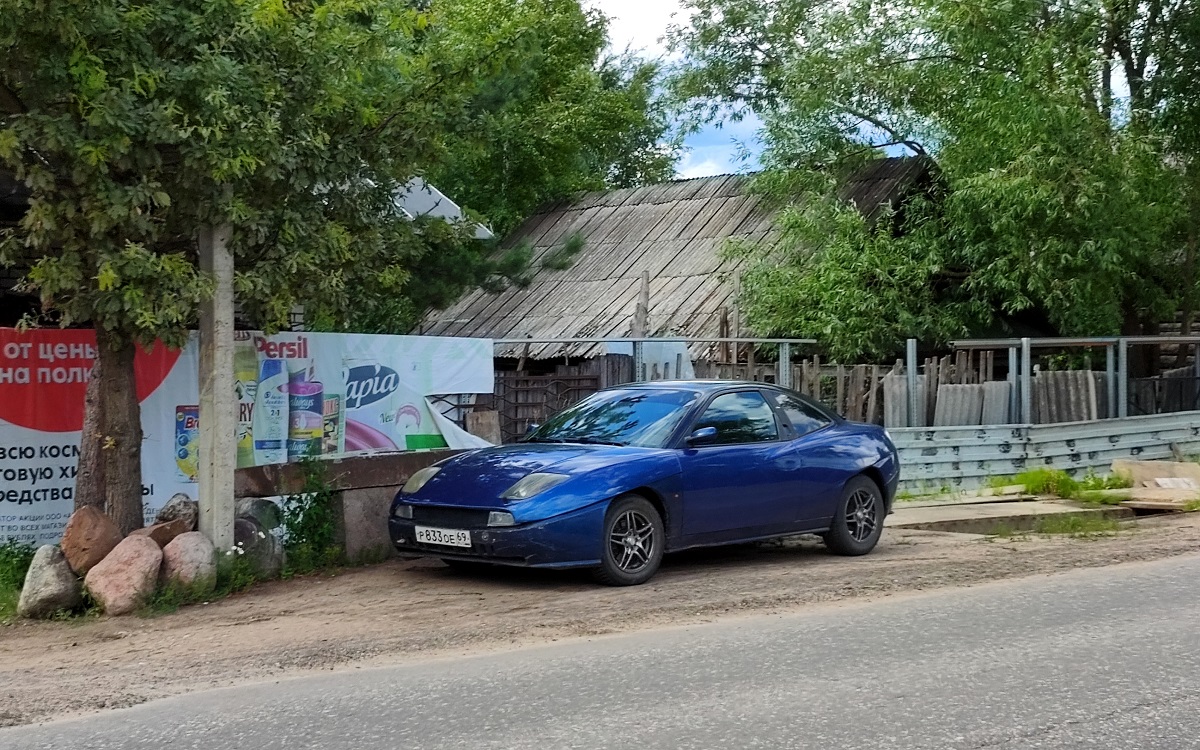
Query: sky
(640, 26)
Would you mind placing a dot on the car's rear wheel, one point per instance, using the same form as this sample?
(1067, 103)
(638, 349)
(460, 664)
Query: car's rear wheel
(633, 542)
(858, 522)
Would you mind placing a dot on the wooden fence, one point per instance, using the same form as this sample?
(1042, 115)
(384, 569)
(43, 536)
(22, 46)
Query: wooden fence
(960, 389)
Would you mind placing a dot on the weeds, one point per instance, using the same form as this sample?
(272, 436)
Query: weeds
(1192, 506)
(309, 524)
(1048, 482)
(1101, 497)
(235, 573)
(15, 558)
(1093, 481)
(1077, 525)
(1059, 484)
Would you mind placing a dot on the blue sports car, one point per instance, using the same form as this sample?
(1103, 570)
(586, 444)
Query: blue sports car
(633, 472)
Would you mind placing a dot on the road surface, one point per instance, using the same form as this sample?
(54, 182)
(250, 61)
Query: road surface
(1102, 658)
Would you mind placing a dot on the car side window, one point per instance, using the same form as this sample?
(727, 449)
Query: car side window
(739, 418)
(804, 417)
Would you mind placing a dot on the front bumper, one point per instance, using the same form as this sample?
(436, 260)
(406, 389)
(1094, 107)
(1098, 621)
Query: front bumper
(568, 540)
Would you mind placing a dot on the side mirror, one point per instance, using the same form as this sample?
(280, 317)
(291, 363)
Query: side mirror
(702, 436)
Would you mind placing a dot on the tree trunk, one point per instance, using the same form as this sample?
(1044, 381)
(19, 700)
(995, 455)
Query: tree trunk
(122, 431)
(89, 481)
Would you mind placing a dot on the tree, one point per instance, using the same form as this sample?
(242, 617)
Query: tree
(560, 117)
(135, 123)
(1060, 204)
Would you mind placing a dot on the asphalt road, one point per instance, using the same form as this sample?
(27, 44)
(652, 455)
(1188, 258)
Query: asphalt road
(1103, 658)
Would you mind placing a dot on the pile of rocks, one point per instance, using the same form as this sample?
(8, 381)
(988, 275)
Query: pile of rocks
(120, 573)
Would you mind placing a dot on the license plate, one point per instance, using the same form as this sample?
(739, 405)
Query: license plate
(447, 537)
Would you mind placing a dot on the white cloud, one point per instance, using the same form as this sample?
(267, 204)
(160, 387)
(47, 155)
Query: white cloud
(640, 24)
(690, 168)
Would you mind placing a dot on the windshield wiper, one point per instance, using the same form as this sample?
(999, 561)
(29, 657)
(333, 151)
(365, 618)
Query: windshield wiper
(594, 441)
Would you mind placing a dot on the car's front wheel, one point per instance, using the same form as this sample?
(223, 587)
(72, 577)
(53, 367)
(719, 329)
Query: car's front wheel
(633, 543)
(859, 520)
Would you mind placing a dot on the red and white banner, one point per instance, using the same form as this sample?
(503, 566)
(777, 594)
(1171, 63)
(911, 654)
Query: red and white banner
(299, 394)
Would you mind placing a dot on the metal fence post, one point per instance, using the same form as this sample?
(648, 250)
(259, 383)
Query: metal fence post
(1026, 383)
(639, 361)
(1013, 400)
(1122, 378)
(914, 403)
(1110, 379)
(783, 375)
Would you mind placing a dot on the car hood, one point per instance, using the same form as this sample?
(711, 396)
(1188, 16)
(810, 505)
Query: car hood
(479, 477)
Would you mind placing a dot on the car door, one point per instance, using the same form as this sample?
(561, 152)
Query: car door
(815, 475)
(732, 483)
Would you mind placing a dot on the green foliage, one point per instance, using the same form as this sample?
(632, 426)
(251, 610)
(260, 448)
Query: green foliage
(1192, 506)
(309, 523)
(1102, 497)
(1115, 481)
(134, 124)
(557, 118)
(1048, 482)
(1077, 525)
(561, 258)
(1053, 200)
(15, 558)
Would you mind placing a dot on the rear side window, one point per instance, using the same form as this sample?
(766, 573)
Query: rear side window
(803, 416)
(740, 418)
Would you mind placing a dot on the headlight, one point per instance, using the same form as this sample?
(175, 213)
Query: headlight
(532, 484)
(501, 518)
(419, 480)
(402, 511)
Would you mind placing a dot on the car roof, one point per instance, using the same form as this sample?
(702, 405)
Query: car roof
(699, 386)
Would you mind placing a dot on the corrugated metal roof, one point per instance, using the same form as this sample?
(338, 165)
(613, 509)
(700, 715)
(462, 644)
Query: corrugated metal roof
(675, 230)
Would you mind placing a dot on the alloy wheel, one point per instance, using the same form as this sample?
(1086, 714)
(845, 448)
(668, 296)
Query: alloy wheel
(631, 541)
(862, 515)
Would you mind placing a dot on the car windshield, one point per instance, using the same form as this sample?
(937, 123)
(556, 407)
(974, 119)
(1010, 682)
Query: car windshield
(643, 417)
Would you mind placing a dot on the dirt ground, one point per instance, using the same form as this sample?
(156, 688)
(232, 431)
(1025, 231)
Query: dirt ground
(408, 610)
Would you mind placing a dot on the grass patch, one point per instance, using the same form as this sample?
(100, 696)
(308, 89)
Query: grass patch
(1192, 506)
(234, 574)
(1077, 525)
(1102, 497)
(999, 483)
(15, 558)
(1048, 482)
(1091, 482)
(1060, 484)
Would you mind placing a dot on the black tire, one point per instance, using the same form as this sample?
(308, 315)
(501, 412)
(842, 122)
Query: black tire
(467, 566)
(858, 522)
(632, 542)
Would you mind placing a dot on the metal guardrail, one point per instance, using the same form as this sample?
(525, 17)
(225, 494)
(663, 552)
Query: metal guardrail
(951, 459)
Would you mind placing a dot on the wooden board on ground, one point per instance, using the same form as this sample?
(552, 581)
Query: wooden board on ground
(1144, 473)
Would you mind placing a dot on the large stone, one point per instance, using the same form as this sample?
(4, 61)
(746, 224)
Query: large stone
(163, 533)
(180, 507)
(89, 536)
(190, 560)
(261, 548)
(264, 511)
(124, 579)
(50, 586)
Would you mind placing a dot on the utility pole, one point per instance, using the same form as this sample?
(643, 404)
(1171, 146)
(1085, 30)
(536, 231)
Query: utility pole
(218, 441)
